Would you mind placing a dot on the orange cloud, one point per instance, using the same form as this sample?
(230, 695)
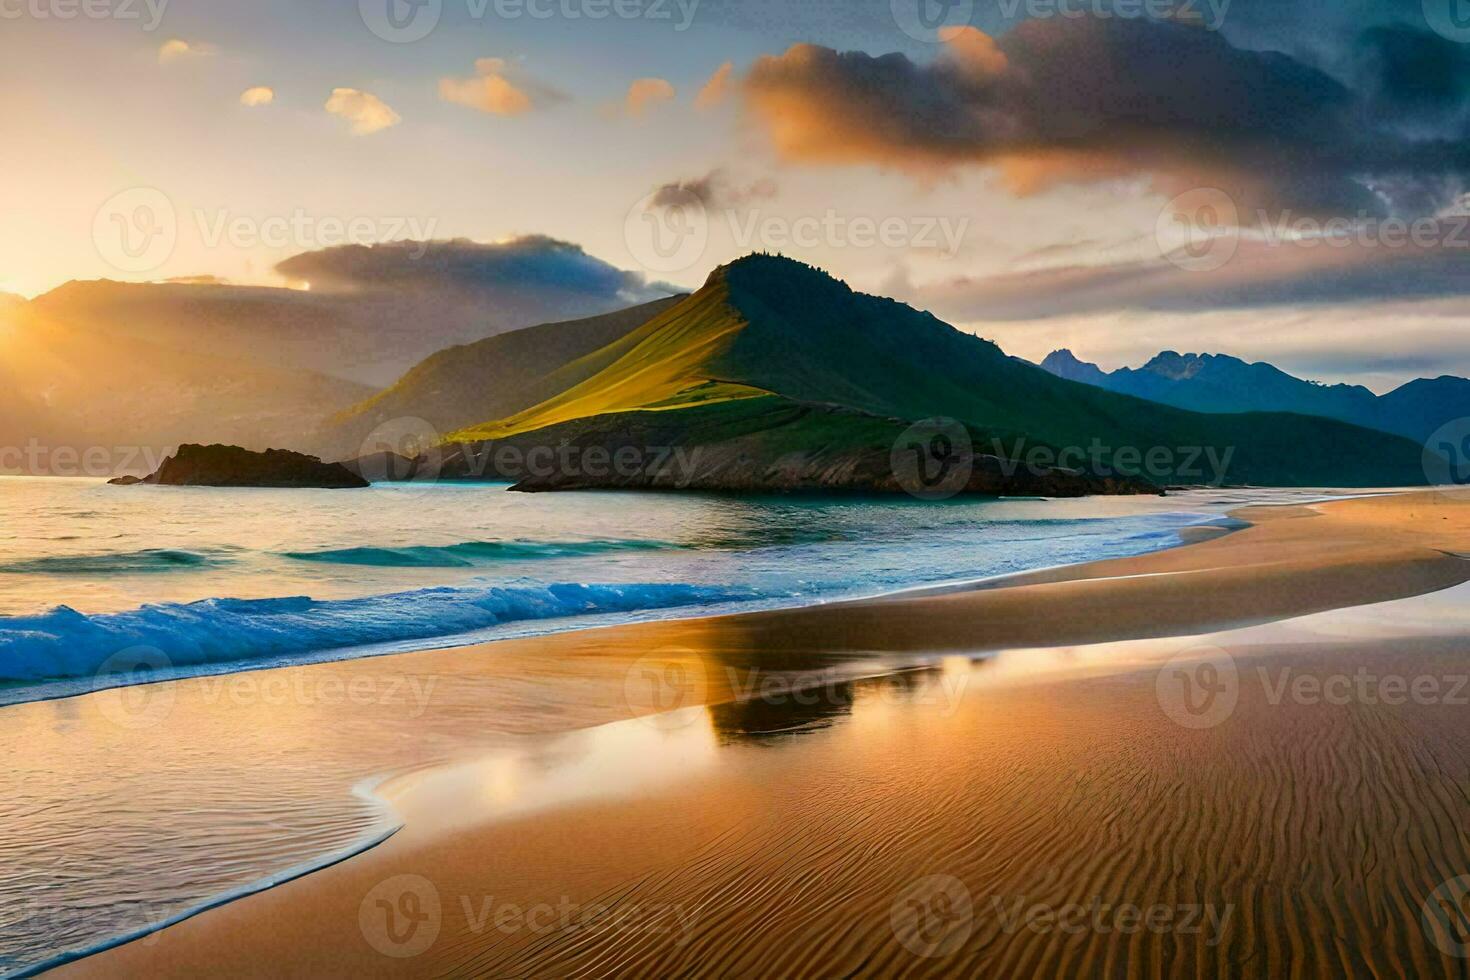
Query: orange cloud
(177, 49)
(491, 90)
(365, 111)
(646, 93)
(717, 89)
(258, 96)
(1080, 101)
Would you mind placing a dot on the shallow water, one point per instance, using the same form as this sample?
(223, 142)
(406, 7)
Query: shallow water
(175, 580)
(126, 807)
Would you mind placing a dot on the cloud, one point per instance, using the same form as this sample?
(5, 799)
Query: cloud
(257, 96)
(492, 90)
(536, 275)
(717, 90)
(714, 190)
(646, 93)
(1066, 100)
(1261, 274)
(176, 49)
(367, 113)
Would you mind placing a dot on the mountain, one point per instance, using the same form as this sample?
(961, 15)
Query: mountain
(69, 392)
(767, 333)
(490, 378)
(1220, 383)
(369, 338)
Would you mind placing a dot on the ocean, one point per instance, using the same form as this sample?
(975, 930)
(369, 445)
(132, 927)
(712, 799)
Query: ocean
(112, 826)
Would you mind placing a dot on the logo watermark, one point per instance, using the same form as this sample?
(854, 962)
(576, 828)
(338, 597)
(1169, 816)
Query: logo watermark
(1449, 19)
(401, 917)
(658, 687)
(1446, 455)
(1446, 916)
(929, 21)
(1100, 917)
(669, 230)
(1202, 229)
(149, 12)
(933, 917)
(407, 21)
(1198, 688)
(136, 230)
(933, 459)
(126, 690)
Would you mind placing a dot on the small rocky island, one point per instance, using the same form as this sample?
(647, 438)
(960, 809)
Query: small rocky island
(231, 466)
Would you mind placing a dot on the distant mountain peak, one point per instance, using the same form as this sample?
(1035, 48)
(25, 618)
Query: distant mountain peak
(1176, 366)
(1220, 383)
(1064, 364)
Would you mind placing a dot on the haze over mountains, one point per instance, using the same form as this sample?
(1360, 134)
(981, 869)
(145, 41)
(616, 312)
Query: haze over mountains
(1221, 383)
(108, 365)
(783, 376)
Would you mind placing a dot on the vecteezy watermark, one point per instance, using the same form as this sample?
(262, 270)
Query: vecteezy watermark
(401, 917)
(1449, 19)
(126, 691)
(149, 12)
(303, 230)
(1446, 455)
(933, 459)
(1446, 915)
(1095, 915)
(1202, 229)
(941, 234)
(933, 916)
(37, 458)
(306, 689)
(406, 21)
(1201, 464)
(569, 917)
(1198, 688)
(1208, 14)
(136, 230)
(1364, 687)
(658, 687)
(669, 230)
(929, 20)
(588, 465)
(406, 449)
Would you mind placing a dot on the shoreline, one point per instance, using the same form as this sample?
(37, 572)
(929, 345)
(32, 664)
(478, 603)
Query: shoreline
(62, 688)
(1358, 557)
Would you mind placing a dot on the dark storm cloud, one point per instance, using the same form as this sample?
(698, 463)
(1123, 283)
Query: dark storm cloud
(1067, 100)
(524, 267)
(714, 190)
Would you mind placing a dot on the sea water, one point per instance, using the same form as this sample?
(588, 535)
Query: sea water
(109, 826)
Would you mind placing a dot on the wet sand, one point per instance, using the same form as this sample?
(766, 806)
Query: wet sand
(1063, 809)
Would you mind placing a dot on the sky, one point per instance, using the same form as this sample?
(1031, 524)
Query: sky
(1276, 179)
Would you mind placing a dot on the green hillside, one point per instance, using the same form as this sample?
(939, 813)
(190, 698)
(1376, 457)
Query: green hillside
(491, 378)
(770, 325)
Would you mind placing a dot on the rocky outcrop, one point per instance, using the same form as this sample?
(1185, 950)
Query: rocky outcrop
(231, 466)
(761, 445)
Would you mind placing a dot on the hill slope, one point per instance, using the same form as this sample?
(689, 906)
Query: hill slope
(491, 378)
(771, 326)
(1220, 383)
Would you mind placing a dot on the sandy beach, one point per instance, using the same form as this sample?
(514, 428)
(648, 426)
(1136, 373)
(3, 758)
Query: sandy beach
(1246, 756)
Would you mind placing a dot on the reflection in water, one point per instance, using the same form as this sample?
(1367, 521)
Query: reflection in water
(126, 809)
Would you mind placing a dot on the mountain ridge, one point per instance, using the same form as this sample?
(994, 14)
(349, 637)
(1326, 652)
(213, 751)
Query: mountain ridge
(769, 326)
(1222, 383)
